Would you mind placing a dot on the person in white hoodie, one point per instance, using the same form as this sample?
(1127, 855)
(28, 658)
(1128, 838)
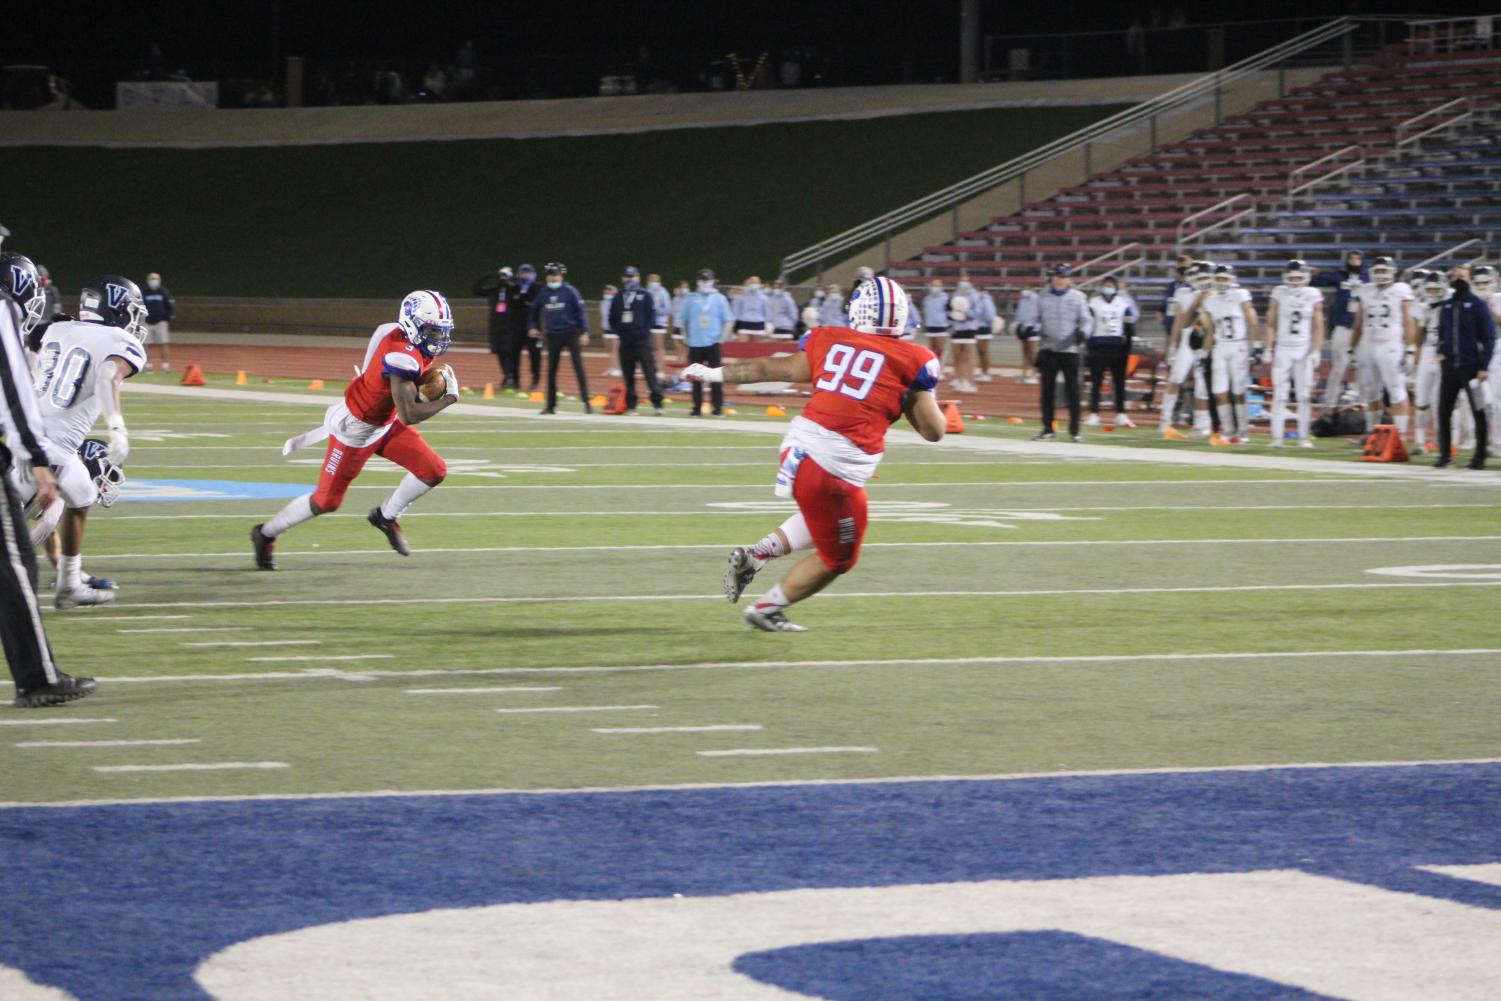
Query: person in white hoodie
(1109, 345)
(989, 323)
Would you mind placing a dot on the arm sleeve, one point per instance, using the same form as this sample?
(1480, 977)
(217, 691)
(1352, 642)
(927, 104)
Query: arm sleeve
(533, 312)
(1086, 316)
(1026, 313)
(22, 421)
(403, 366)
(1486, 333)
(169, 302)
(580, 313)
(927, 377)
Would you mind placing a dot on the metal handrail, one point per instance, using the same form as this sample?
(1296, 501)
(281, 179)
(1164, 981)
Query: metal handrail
(1179, 238)
(1469, 110)
(1442, 255)
(1080, 268)
(953, 195)
(1424, 35)
(1123, 266)
(1293, 188)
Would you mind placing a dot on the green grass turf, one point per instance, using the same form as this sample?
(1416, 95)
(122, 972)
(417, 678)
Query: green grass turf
(522, 574)
(371, 220)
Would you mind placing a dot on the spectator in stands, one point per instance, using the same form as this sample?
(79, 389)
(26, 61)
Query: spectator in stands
(1114, 314)
(495, 289)
(965, 325)
(631, 317)
(661, 305)
(54, 301)
(1065, 322)
(935, 318)
(520, 312)
(611, 338)
(558, 312)
(160, 309)
(1466, 344)
(781, 311)
(750, 310)
(831, 314)
(1342, 317)
(1027, 332)
(812, 315)
(707, 321)
(988, 323)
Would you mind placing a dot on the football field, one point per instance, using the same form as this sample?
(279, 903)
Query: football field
(1085, 721)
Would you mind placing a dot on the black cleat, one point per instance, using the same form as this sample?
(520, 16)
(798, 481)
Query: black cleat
(738, 575)
(65, 689)
(265, 549)
(1045, 436)
(1443, 462)
(391, 528)
(771, 621)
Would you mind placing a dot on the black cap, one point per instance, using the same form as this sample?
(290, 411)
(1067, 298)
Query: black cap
(706, 275)
(1060, 271)
(631, 271)
(555, 268)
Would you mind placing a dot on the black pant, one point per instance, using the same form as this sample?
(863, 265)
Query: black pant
(500, 347)
(556, 344)
(517, 342)
(1451, 380)
(635, 352)
(1113, 361)
(26, 648)
(1049, 365)
(708, 356)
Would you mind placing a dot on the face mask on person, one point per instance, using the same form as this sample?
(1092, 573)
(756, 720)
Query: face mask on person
(653, 285)
(1459, 285)
(1108, 292)
(934, 289)
(753, 286)
(154, 284)
(554, 283)
(706, 286)
(630, 283)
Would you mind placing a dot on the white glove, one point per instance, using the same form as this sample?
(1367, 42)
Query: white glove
(450, 382)
(119, 445)
(699, 372)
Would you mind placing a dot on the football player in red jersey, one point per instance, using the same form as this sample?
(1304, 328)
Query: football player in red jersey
(376, 417)
(864, 377)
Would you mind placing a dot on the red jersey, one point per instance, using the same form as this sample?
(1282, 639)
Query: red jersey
(859, 381)
(368, 396)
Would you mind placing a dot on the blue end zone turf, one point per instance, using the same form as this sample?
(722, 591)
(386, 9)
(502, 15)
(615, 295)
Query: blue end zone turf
(207, 490)
(121, 902)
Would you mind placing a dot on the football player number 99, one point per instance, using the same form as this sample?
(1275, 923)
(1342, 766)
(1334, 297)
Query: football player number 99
(860, 369)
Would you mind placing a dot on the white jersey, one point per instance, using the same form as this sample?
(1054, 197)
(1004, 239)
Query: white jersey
(1183, 300)
(1425, 315)
(1228, 309)
(67, 366)
(1109, 316)
(1295, 309)
(1381, 312)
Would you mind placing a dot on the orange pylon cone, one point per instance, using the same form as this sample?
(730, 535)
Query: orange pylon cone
(315, 384)
(240, 379)
(1384, 445)
(193, 375)
(775, 411)
(954, 421)
(489, 390)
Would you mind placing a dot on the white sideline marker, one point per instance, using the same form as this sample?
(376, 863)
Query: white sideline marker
(348, 656)
(110, 743)
(481, 691)
(217, 643)
(124, 618)
(221, 766)
(717, 728)
(766, 752)
(576, 709)
(191, 629)
(52, 722)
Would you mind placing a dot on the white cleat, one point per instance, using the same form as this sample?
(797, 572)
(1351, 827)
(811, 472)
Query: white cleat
(82, 596)
(1305, 443)
(1240, 439)
(1093, 420)
(984, 377)
(1199, 433)
(1122, 421)
(738, 575)
(773, 621)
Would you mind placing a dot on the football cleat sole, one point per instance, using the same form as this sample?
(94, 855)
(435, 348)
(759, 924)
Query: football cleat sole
(67, 689)
(391, 529)
(771, 622)
(738, 575)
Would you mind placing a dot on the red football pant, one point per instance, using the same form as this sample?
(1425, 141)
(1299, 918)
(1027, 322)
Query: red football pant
(403, 445)
(836, 512)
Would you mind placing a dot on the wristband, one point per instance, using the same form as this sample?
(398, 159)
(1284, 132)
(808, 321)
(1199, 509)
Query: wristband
(114, 423)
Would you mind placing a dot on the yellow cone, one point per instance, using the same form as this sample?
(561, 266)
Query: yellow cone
(315, 384)
(489, 391)
(597, 401)
(775, 411)
(240, 378)
(536, 397)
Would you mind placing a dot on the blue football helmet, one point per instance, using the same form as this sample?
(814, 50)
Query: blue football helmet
(19, 281)
(427, 321)
(106, 475)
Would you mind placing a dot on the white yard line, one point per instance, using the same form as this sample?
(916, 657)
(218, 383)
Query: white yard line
(220, 766)
(1322, 540)
(768, 752)
(240, 643)
(574, 709)
(1298, 766)
(62, 721)
(355, 656)
(484, 691)
(110, 743)
(91, 617)
(376, 674)
(192, 629)
(712, 728)
(826, 596)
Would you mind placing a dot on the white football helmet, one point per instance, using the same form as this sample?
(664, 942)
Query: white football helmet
(1224, 277)
(1200, 275)
(1383, 271)
(1295, 274)
(427, 321)
(1483, 279)
(879, 306)
(1435, 287)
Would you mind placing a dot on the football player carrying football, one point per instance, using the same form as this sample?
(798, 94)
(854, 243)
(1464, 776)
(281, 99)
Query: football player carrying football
(377, 416)
(864, 377)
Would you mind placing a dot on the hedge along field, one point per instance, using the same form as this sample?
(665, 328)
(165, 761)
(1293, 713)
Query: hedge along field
(375, 220)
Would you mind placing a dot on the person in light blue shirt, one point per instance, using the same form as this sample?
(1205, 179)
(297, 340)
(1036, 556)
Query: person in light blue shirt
(781, 311)
(707, 321)
(985, 324)
(661, 303)
(750, 310)
(831, 313)
(612, 339)
(935, 317)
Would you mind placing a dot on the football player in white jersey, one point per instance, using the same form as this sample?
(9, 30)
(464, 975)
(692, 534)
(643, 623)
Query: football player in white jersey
(1294, 339)
(1483, 284)
(1424, 321)
(80, 366)
(1187, 352)
(1380, 338)
(1229, 344)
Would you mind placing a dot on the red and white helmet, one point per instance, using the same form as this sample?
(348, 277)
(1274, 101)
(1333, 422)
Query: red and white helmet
(427, 321)
(879, 306)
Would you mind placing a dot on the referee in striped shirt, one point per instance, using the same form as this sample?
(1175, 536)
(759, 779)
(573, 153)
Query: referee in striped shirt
(24, 466)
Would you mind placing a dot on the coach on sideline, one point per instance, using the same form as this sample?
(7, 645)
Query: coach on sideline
(1466, 341)
(1064, 320)
(633, 318)
(23, 452)
(558, 312)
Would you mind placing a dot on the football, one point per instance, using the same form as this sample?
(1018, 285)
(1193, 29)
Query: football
(430, 387)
